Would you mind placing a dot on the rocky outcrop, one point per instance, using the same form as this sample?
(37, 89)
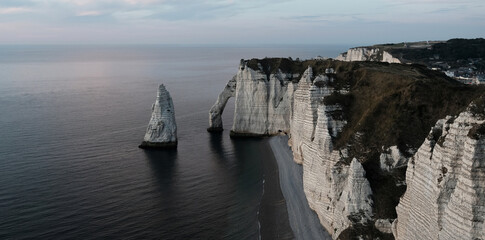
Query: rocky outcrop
(353, 127)
(367, 54)
(392, 158)
(268, 103)
(162, 129)
(337, 191)
(264, 102)
(445, 197)
(384, 225)
(215, 113)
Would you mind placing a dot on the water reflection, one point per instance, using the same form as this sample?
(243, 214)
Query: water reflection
(163, 164)
(216, 143)
(104, 188)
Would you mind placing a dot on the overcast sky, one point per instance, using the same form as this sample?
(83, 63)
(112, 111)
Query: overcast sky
(239, 22)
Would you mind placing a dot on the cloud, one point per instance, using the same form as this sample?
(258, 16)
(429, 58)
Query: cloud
(221, 20)
(143, 2)
(15, 3)
(78, 2)
(14, 10)
(137, 14)
(89, 13)
(327, 18)
(439, 2)
(134, 10)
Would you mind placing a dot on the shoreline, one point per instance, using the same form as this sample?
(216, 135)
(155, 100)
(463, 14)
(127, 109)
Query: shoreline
(303, 220)
(273, 216)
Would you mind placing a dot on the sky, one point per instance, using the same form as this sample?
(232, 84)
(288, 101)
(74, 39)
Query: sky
(238, 22)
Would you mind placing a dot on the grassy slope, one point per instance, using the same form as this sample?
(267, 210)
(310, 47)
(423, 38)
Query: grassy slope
(455, 52)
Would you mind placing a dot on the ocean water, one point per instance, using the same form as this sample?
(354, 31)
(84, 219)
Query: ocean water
(71, 118)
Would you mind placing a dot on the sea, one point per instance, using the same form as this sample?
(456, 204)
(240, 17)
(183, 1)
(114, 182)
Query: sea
(71, 120)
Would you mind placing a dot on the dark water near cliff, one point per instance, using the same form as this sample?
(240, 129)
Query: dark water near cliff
(71, 118)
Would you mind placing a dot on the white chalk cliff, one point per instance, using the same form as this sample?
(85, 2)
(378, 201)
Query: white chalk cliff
(445, 196)
(270, 104)
(367, 54)
(338, 192)
(215, 119)
(296, 102)
(162, 128)
(263, 105)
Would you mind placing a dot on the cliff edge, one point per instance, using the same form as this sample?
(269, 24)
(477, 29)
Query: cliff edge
(367, 54)
(461, 59)
(445, 197)
(352, 125)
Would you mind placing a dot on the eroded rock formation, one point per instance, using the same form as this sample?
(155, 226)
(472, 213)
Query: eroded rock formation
(353, 127)
(445, 196)
(162, 128)
(338, 192)
(215, 113)
(263, 106)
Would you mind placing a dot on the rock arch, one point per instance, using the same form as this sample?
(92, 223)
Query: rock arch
(215, 113)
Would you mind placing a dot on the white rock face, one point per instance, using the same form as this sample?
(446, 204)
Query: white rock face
(387, 57)
(336, 191)
(384, 225)
(445, 180)
(215, 119)
(392, 158)
(445, 185)
(162, 128)
(367, 54)
(263, 103)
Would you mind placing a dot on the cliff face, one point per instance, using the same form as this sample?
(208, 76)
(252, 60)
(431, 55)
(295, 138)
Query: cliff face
(367, 54)
(263, 103)
(215, 120)
(338, 192)
(445, 197)
(353, 127)
(162, 129)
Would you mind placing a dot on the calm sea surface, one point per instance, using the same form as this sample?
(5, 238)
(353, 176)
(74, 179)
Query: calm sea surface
(71, 118)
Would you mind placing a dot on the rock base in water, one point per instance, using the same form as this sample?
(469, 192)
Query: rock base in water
(233, 134)
(215, 129)
(162, 129)
(157, 145)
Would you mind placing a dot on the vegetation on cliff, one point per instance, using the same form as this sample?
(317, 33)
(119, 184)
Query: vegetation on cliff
(386, 105)
(454, 52)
